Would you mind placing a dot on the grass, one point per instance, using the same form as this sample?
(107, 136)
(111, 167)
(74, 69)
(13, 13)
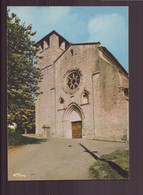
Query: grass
(101, 169)
(16, 139)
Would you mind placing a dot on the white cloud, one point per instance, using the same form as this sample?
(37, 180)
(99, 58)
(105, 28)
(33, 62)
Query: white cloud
(112, 32)
(57, 13)
(44, 18)
(41, 15)
(77, 24)
(108, 29)
(22, 12)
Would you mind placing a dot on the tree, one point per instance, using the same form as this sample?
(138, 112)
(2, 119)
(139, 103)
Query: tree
(23, 76)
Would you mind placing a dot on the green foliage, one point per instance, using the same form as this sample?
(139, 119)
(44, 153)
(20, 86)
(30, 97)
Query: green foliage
(23, 77)
(16, 139)
(102, 170)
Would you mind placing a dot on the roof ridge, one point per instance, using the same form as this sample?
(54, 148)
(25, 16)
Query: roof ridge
(83, 43)
(114, 59)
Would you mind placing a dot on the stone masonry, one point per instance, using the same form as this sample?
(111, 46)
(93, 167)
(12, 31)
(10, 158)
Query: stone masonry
(83, 83)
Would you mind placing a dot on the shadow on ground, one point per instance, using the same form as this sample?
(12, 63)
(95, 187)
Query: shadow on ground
(31, 140)
(113, 165)
(20, 140)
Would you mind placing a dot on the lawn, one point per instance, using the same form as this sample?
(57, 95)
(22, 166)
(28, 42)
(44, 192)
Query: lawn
(111, 166)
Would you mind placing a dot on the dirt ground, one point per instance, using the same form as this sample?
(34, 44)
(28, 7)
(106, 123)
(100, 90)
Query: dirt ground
(57, 159)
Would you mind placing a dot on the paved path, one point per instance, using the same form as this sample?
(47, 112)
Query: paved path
(56, 159)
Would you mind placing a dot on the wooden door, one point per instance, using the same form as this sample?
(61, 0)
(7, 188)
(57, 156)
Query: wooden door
(77, 129)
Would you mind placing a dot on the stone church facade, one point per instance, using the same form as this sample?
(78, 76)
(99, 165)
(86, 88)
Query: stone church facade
(85, 91)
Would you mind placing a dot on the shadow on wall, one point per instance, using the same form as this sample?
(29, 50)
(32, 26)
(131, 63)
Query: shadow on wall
(113, 165)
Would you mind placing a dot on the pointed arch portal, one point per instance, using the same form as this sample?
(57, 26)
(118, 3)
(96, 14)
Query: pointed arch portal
(73, 121)
(76, 124)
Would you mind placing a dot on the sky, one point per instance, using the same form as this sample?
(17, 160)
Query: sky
(107, 24)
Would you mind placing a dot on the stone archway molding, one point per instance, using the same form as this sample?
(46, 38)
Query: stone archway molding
(72, 106)
(66, 122)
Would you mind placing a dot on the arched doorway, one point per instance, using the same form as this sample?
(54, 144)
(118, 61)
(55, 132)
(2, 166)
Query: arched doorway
(72, 122)
(76, 124)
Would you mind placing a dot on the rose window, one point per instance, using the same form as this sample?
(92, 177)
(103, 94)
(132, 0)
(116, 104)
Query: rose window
(73, 80)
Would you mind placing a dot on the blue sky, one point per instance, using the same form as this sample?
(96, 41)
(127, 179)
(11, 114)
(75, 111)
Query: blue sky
(107, 24)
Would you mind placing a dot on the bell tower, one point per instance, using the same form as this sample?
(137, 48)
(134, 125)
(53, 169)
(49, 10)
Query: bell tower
(49, 49)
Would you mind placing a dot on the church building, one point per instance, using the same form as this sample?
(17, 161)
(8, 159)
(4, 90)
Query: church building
(84, 91)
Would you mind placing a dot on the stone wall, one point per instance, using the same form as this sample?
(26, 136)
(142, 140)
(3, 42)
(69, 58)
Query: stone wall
(101, 97)
(45, 104)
